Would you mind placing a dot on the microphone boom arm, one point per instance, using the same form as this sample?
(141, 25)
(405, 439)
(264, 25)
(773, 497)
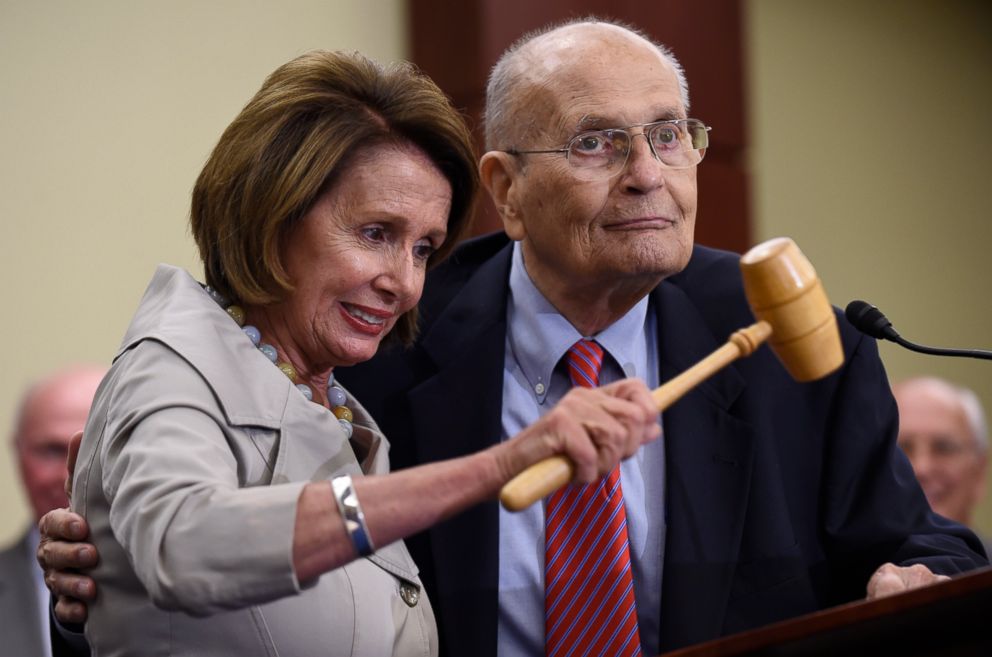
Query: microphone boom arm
(869, 320)
(942, 351)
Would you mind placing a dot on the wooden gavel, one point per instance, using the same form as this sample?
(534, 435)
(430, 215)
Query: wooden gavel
(793, 314)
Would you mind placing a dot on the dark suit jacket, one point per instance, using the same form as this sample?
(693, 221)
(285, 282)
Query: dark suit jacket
(20, 622)
(781, 499)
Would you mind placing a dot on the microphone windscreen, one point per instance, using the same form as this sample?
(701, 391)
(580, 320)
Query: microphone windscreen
(868, 319)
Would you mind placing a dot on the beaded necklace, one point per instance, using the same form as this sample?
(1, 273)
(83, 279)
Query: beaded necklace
(336, 397)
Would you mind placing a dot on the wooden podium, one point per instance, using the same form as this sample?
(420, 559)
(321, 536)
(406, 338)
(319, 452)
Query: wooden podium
(952, 619)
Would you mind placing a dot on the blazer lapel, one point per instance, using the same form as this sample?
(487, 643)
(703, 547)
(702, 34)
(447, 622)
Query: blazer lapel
(709, 458)
(456, 412)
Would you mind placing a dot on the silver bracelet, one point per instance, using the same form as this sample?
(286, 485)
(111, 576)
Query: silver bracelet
(351, 513)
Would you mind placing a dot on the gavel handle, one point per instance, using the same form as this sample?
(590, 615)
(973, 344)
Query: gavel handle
(547, 476)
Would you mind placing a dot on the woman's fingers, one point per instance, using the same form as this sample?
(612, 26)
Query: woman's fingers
(644, 424)
(598, 427)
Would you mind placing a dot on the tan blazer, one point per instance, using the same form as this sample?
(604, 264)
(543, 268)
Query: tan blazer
(195, 453)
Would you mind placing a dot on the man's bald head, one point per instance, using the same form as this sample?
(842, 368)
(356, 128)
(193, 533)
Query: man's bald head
(50, 412)
(531, 62)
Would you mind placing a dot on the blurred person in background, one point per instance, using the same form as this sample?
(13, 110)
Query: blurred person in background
(943, 431)
(50, 411)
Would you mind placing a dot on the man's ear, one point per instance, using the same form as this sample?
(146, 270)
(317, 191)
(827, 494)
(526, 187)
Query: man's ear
(500, 175)
(983, 476)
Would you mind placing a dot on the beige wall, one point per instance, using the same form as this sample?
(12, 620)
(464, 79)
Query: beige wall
(109, 109)
(873, 150)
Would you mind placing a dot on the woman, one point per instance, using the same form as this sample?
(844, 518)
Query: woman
(222, 472)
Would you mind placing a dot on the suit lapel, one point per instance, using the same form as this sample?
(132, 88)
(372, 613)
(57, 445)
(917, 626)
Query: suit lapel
(709, 456)
(457, 412)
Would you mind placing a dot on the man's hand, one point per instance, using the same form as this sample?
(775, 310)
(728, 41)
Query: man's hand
(59, 554)
(70, 461)
(891, 579)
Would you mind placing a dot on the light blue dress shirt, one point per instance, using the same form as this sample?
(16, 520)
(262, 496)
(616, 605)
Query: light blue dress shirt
(43, 597)
(536, 339)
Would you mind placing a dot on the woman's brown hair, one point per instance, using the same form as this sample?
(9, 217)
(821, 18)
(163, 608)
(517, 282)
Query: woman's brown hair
(290, 142)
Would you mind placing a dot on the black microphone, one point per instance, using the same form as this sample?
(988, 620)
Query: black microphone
(869, 320)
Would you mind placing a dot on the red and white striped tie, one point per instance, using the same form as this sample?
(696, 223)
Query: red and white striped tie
(589, 601)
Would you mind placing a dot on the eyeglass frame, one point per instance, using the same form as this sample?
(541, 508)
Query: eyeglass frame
(645, 127)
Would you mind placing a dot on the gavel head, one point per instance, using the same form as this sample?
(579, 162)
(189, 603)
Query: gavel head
(783, 289)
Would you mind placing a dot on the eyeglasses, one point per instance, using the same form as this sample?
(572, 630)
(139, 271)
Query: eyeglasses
(601, 154)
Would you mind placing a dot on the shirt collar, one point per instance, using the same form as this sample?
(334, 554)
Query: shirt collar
(539, 335)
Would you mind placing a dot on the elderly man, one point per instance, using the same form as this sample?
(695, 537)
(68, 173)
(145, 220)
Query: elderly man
(765, 499)
(50, 412)
(942, 430)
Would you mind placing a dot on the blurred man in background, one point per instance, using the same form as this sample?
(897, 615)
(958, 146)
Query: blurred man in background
(942, 429)
(50, 412)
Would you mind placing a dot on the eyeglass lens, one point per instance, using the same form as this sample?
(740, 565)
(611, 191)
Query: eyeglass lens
(678, 144)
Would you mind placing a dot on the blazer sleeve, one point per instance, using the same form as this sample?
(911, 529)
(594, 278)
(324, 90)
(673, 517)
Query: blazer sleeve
(873, 508)
(196, 540)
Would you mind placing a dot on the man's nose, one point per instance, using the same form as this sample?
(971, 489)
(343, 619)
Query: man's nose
(923, 464)
(645, 172)
(52, 475)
